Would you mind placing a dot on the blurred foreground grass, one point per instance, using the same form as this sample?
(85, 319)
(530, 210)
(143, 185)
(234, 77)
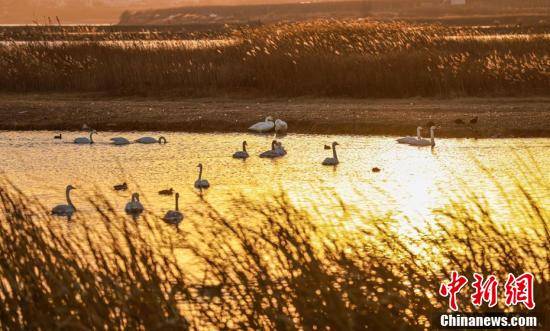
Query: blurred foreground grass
(269, 267)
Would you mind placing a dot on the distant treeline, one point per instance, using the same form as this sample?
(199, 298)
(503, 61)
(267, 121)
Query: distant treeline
(332, 9)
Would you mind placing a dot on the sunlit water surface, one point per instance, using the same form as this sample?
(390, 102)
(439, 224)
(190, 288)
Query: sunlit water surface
(411, 184)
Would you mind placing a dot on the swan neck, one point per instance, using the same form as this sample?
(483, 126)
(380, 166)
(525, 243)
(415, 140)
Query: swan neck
(334, 152)
(200, 172)
(91, 137)
(68, 196)
(418, 136)
(432, 137)
(244, 147)
(177, 203)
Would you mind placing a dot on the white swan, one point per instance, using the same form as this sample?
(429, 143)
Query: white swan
(84, 140)
(151, 140)
(134, 206)
(281, 126)
(69, 208)
(408, 140)
(242, 154)
(201, 183)
(262, 127)
(174, 216)
(425, 142)
(120, 141)
(331, 161)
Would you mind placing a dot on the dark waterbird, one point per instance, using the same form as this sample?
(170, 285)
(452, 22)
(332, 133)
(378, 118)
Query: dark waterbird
(121, 187)
(474, 120)
(59, 136)
(167, 192)
(459, 121)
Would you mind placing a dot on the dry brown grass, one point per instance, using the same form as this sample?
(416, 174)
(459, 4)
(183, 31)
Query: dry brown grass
(273, 266)
(319, 58)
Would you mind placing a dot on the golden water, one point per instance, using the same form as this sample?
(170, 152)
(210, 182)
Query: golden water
(411, 184)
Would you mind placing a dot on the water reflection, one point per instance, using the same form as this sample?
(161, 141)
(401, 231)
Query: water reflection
(410, 184)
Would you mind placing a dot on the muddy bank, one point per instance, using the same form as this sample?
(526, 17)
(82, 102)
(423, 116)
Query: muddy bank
(497, 117)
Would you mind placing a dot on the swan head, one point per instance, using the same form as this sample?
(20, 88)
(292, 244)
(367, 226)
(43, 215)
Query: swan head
(432, 128)
(269, 119)
(199, 166)
(135, 197)
(70, 188)
(245, 143)
(177, 196)
(335, 144)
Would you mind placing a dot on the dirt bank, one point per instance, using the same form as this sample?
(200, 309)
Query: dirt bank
(498, 117)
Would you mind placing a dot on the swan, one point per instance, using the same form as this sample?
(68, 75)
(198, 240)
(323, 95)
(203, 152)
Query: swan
(167, 192)
(120, 141)
(275, 151)
(262, 127)
(151, 140)
(84, 140)
(242, 154)
(69, 208)
(425, 142)
(201, 183)
(174, 216)
(280, 126)
(134, 206)
(279, 149)
(121, 187)
(408, 140)
(330, 161)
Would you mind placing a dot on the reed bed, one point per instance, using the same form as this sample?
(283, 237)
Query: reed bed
(272, 266)
(319, 58)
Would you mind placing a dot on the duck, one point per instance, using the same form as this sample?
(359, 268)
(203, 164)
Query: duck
(474, 120)
(174, 216)
(243, 155)
(376, 169)
(169, 191)
(121, 187)
(459, 121)
(59, 136)
(262, 127)
(409, 139)
(84, 140)
(67, 209)
(134, 206)
(280, 126)
(332, 161)
(151, 140)
(201, 183)
(120, 141)
(425, 142)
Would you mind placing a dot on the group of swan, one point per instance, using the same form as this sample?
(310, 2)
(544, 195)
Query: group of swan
(418, 140)
(134, 206)
(118, 141)
(268, 125)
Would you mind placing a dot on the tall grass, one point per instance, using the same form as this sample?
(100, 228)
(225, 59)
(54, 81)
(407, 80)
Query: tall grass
(318, 58)
(272, 266)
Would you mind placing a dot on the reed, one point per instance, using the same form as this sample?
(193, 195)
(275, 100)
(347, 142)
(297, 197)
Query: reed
(270, 266)
(318, 58)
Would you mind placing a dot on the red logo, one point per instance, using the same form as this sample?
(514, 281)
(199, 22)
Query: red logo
(517, 290)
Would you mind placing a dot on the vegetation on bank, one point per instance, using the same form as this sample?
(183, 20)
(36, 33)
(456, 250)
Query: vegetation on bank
(318, 58)
(273, 266)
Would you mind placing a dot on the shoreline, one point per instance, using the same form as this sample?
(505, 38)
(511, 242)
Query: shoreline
(498, 117)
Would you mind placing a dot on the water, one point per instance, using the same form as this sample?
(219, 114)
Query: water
(411, 184)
